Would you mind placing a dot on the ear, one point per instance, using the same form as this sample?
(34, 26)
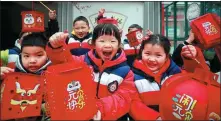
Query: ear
(168, 56)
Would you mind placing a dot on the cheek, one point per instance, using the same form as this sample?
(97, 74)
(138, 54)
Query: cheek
(76, 30)
(162, 61)
(24, 62)
(97, 46)
(42, 60)
(86, 30)
(144, 58)
(115, 47)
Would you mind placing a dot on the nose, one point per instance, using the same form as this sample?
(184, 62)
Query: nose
(80, 30)
(107, 44)
(33, 60)
(151, 58)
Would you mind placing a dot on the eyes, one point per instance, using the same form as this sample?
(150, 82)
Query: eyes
(24, 93)
(77, 28)
(157, 55)
(27, 56)
(112, 41)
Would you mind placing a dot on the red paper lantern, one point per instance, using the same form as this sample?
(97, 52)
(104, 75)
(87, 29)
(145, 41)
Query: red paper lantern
(191, 97)
(207, 30)
(71, 92)
(134, 38)
(32, 21)
(21, 96)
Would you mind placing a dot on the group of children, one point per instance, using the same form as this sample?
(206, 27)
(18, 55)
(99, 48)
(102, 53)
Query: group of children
(121, 88)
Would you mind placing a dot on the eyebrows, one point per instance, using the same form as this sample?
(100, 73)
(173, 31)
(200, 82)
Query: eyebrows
(150, 51)
(38, 52)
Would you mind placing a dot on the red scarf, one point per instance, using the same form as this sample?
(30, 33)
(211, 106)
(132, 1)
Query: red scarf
(157, 76)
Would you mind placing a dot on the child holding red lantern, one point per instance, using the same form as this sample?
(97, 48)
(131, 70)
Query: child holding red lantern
(210, 55)
(32, 60)
(131, 51)
(115, 88)
(151, 69)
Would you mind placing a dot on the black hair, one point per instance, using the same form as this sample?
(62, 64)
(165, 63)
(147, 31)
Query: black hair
(156, 39)
(135, 26)
(81, 18)
(34, 39)
(105, 29)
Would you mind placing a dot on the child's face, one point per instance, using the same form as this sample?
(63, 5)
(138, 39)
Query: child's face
(33, 57)
(81, 29)
(106, 47)
(154, 56)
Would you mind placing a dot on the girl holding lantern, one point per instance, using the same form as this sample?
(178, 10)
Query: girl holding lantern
(114, 79)
(152, 68)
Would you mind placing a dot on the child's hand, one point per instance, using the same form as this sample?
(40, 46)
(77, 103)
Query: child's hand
(52, 14)
(189, 53)
(191, 37)
(159, 119)
(148, 32)
(58, 39)
(97, 117)
(101, 11)
(5, 70)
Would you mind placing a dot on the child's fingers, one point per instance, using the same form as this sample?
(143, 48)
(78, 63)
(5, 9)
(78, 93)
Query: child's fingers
(189, 50)
(5, 70)
(53, 11)
(97, 116)
(64, 36)
(187, 54)
(2, 74)
(58, 39)
(149, 32)
(9, 69)
(52, 40)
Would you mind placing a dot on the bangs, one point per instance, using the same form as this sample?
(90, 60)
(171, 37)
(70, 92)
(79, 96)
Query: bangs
(106, 29)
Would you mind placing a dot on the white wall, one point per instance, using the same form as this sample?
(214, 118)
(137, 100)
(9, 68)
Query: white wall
(129, 12)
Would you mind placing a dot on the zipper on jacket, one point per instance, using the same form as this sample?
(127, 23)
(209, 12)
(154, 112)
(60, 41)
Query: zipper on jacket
(98, 85)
